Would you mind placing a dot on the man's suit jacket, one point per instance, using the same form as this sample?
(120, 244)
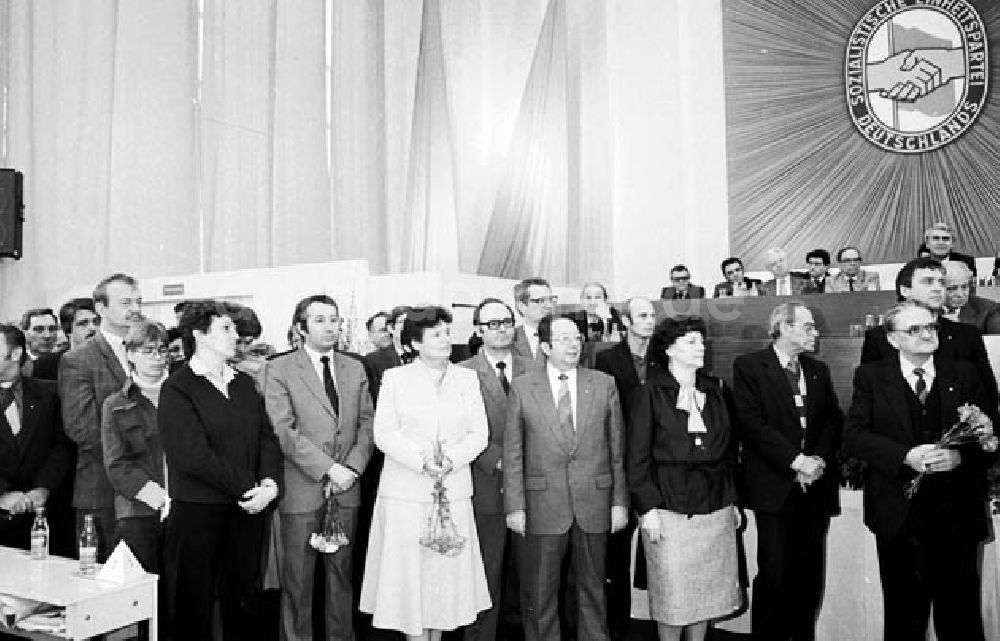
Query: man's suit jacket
(812, 287)
(41, 454)
(726, 288)
(879, 431)
(864, 282)
(797, 282)
(379, 361)
(556, 480)
(45, 367)
(956, 341)
(487, 481)
(694, 291)
(521, 347)
(312, 435)
(87, 376)
(981, 313)
(772, 433)
(617, 362)
(969, 261)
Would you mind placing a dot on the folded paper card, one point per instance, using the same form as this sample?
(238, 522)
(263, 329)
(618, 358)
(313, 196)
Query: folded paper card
(121, 566)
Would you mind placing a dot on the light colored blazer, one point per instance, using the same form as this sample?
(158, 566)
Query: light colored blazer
(865, 282)
(555, 480)
(413, 412)
(312, 436)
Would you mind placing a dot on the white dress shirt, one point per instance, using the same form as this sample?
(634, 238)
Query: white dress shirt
(117, 344)
(199, 368)
(314, 357)
(907, 367)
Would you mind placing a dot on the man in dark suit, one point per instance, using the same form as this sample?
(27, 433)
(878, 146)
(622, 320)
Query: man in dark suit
(791, 427)
(393, 355)
(922, 281)
(736, 284)
(928, 544)
(321, 409)
(939, 240)
(87, 376)
(962, 306)
(496, 366)
(564, 480)
(533, 300)
(626, 363)
(40, 331)
(79, 320)
(682, 287)
(35, 454)
(818, 262)
(785, 282)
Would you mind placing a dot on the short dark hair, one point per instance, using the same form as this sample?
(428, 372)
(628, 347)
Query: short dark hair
(730, 261)
(146, 331)
(420, 319)
(173, 333)
(299, 315)
(396, 312)
(545, 326)
(840, 252)
(67, 313)
(905, 276)
(666, 334)
(923, 249)
(101, 291)
(371, 319)
(679, 268)
(14, 337)
(198, 315)
(521, 289)
(484, 303)
(822, 254)
(244, 318)
(37, 311)
(179, 306)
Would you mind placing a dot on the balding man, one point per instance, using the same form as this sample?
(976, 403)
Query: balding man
(962, 306)
(784, 283)
(939, 239)
(851, 277)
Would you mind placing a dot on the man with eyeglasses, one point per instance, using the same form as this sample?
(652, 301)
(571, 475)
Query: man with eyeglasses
(626, 363)
(791, 424)
(392, 355)
(928, 544)
(785, 282)
(534, 300)
(681, 287)
(962, 306)
(736, 284)
(939, 239)
(322, 412)
(851, 277)
(922, 281)
(496, 365)
(564, 481)
(87, 376)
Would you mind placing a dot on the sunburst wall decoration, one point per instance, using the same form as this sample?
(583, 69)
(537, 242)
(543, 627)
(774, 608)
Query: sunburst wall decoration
(804, 175)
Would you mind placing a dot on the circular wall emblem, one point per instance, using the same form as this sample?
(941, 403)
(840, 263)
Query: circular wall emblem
(916, 73)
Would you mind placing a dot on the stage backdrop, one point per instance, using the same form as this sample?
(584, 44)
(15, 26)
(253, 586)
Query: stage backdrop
(802, 174)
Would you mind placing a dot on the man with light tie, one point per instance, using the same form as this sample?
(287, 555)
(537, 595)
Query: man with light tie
(533, 300)
(564, 480)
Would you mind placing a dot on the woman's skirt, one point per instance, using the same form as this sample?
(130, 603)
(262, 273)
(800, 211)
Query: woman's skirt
(693, 571)
(409, 587)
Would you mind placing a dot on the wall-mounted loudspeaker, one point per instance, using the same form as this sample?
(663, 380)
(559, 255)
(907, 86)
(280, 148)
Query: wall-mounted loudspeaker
(11, 212)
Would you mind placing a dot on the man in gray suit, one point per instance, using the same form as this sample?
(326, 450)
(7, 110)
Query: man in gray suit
(962, 306)
(534, 300)
(851, 277)
(319, 403)
(564, 481)
(87, 376)
(496, 366)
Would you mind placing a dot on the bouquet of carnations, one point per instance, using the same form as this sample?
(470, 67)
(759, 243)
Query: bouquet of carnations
(440, 533)
(331, 536)
(973, 427)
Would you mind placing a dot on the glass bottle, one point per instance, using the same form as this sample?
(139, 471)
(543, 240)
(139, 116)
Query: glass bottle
(40, 535)
(88, 547)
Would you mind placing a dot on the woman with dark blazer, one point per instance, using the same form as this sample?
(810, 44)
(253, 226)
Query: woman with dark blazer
(225, 469)
(681, 458)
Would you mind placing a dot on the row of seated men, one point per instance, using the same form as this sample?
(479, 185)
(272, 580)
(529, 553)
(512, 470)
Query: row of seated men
(36, 457)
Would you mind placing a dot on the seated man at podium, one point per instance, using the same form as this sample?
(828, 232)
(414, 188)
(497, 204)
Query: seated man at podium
(785, 282)
(736, 283)
(851, 277)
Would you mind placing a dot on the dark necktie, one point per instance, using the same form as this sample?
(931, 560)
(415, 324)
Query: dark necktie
(850, 284)
(331, 390)
(819, 284)
(565, 409)
(792, 371)
(504, 381)
(921, 386)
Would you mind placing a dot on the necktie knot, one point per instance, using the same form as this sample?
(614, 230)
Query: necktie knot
(918, 372)
(501, 366)
(325, 360)
(793, 368)
(563, 377)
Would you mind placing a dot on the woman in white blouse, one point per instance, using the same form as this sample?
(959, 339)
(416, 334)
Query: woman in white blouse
(409, 585)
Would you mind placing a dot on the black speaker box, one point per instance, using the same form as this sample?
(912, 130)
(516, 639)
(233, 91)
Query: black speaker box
(11, 212)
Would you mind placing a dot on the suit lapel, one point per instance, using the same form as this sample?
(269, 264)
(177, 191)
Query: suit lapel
(896, 389)
(489, 378)
(110, 359)
(779, 380)
(949, 389)
(307, 374)
(811, 372)
(346, 380)
(584, 403)
(29, 414)
(543, 397)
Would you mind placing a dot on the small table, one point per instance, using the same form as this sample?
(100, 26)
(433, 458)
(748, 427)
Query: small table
(92, 607)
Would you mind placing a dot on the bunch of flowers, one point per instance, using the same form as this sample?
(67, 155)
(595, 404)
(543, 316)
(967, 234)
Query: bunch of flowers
(440, 533)
(331, 536)
(973, 427)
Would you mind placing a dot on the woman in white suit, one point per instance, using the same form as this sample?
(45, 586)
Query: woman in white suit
(407, 586)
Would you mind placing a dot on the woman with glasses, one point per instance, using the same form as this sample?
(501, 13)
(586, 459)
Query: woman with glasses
(133, 454)
(681, 457)
(424, 574)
